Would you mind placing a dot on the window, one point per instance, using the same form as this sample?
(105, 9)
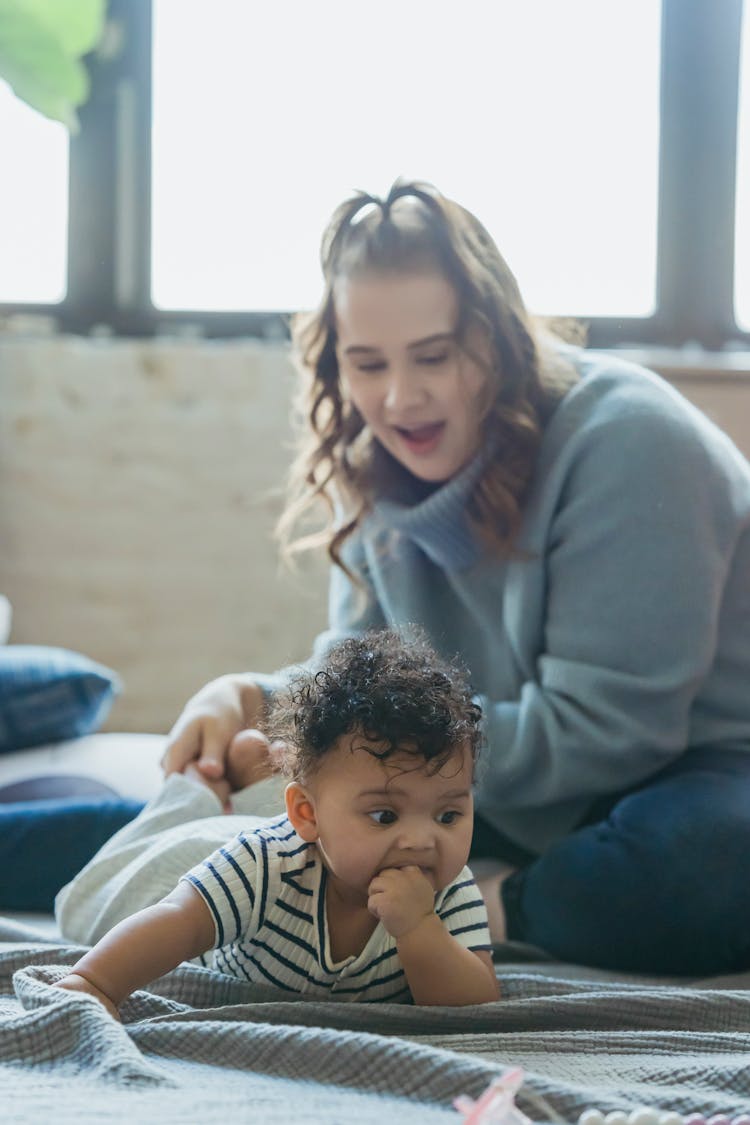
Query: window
(742, 233)
(556, 151)
(597, 139)
(33, 204)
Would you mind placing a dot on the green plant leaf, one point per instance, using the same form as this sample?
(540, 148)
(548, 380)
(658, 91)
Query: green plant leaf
(75, 24)
(40, 45)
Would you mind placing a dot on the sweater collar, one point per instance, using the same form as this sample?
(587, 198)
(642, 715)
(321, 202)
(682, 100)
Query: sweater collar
(438, 522)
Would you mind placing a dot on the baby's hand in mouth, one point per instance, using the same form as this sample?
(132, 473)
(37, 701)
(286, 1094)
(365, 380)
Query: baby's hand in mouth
(400, 897)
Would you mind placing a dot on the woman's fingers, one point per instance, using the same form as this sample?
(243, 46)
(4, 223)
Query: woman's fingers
(210, 720)
(204, 740)
(183, 745)
(217, 737)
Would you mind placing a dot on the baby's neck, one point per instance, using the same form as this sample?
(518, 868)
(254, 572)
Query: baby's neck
(350, 924)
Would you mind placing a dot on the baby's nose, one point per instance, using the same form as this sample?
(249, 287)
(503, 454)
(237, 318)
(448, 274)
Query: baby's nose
(417, 837)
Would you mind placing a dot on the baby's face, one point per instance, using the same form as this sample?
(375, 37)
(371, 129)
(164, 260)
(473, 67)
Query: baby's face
(373, 815)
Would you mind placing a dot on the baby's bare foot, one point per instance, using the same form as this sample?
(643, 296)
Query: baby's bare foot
(249, 759)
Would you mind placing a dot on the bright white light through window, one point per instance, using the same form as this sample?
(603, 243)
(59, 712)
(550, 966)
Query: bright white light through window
(540, 116)
(33, 204)
(742, 227)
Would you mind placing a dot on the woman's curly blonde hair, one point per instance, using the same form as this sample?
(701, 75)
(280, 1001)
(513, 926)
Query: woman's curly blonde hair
(416, 229)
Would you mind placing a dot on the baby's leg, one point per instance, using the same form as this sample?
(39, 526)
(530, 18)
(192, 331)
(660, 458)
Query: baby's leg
(144, 861)
(220, 788)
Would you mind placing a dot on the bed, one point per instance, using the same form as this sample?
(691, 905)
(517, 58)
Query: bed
(199, 1047)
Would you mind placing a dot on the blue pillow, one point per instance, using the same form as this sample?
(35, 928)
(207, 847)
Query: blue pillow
(48, 694)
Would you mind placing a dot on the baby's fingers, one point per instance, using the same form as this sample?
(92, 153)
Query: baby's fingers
(375, 904)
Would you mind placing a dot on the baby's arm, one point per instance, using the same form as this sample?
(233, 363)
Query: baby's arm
(144, 947)
(439, 970)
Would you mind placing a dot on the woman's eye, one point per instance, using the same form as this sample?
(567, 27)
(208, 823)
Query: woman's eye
(449, 817)
(370, 368)
(433, 360)
(383, 816)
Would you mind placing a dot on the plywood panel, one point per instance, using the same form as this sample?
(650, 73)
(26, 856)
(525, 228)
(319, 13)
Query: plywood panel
(139, 484)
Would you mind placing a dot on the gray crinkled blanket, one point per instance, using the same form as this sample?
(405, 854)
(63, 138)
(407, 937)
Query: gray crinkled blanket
(200, 1047)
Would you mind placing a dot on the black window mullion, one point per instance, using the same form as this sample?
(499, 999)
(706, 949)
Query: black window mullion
(110, 180)
(91, 209)
(110, 191)
(132, 259)
(699, 98)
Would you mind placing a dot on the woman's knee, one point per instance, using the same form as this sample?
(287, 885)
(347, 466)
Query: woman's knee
(658, 898)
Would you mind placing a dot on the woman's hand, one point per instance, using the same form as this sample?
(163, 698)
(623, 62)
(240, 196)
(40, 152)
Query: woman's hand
(74, 982)
(208, 726)
(249, 759)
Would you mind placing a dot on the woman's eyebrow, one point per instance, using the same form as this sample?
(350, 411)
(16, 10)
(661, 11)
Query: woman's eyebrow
(437, 337)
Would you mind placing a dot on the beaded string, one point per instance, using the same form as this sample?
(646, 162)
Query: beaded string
(497, 1106)
(647, 1116)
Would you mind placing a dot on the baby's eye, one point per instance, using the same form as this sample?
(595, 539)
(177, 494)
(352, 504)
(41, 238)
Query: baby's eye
(450, 816)
(383, 816)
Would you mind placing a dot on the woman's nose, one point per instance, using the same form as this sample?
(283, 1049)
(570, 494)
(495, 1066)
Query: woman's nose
(405, 389)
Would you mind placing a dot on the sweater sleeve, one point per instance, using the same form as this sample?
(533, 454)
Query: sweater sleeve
(633, 571)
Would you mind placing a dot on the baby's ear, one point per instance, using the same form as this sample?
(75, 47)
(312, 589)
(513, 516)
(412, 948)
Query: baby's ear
(301, 812)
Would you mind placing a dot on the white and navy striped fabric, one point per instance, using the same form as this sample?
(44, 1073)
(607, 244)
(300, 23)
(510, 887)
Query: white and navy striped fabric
(266, 891)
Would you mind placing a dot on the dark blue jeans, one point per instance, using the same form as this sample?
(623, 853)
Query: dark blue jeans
(655, 880)
(44, 843)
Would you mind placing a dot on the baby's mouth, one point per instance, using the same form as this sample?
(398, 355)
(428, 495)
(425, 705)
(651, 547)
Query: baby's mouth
(426, 871)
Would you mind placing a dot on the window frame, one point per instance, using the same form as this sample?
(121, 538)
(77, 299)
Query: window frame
(109, 237)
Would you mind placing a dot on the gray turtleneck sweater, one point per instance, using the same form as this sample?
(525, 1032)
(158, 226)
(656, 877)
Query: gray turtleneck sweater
(620, 639)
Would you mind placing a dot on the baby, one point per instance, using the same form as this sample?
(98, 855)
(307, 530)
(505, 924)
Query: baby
(360, 890)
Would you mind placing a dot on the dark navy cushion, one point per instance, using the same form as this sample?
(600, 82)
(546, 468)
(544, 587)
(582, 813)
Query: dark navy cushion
(49, 694)
(43, 844)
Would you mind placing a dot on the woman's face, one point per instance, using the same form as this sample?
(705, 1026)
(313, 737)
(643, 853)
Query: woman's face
(401, 367)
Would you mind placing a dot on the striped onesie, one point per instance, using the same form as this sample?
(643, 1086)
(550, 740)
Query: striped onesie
(266, 892)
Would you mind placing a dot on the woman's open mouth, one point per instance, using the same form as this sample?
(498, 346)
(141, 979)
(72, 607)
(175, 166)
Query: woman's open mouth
(421, 439)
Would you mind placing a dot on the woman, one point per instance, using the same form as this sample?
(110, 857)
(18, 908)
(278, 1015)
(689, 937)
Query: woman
(580, 536)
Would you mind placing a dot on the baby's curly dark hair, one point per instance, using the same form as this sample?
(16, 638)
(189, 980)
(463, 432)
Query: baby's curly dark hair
(390, 688)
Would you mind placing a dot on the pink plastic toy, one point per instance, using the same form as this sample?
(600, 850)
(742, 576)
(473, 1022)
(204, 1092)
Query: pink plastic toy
(497, 1105)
